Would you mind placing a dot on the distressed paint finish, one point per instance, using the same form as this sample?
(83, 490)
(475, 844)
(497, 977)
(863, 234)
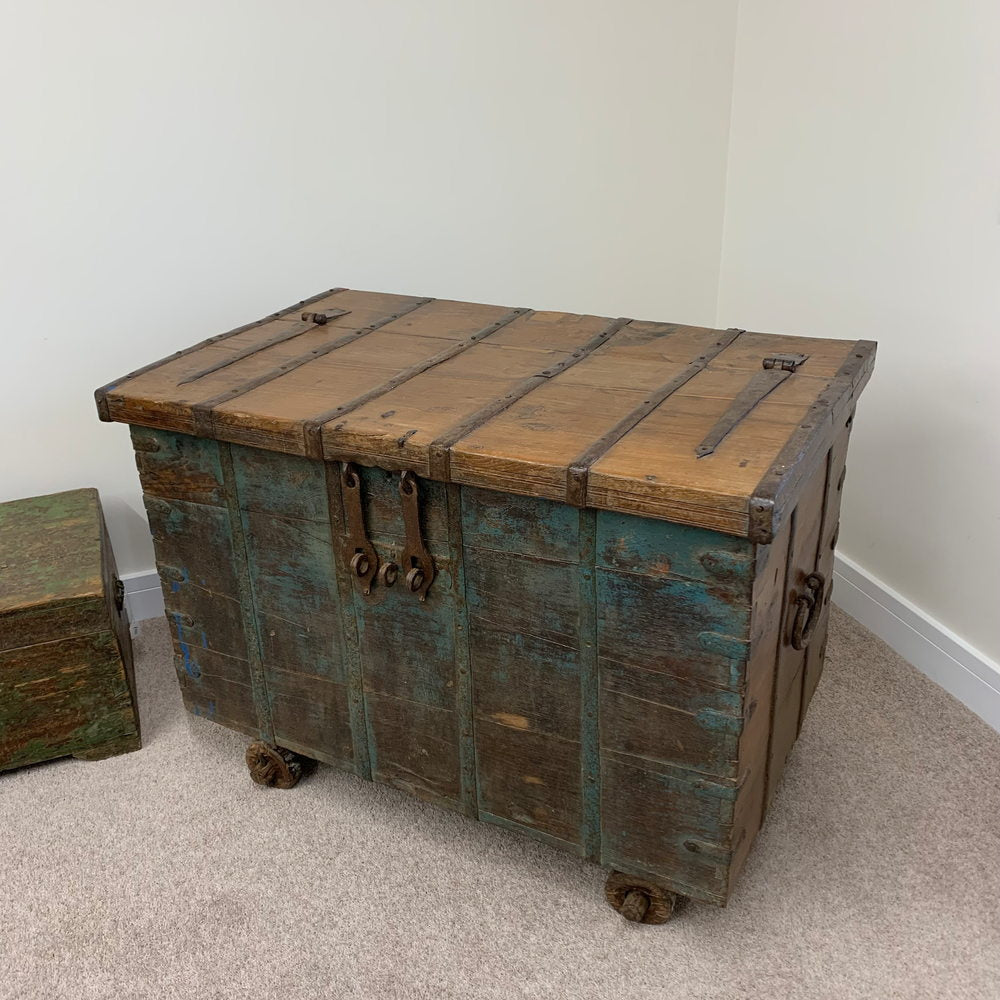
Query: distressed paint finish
(617, 686)
(524, 591)
(291, 565)
(66, 676)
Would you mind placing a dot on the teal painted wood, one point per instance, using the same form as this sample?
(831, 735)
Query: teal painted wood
(290, 555)
(578, 676)
(361, 737)
(640, 545)
(523, 585)
(194, 553)
(463, 659)
(590, 700)
(251, 625)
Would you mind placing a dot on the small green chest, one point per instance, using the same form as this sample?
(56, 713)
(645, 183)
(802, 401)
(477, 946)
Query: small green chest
(66, 676)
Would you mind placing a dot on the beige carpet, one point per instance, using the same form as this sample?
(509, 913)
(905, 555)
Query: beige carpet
(166, 873)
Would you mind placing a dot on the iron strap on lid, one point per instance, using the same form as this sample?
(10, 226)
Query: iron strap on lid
(777, 367)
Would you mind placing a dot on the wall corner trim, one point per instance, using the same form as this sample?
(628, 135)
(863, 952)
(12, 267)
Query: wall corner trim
(964, 672)
(143, 597)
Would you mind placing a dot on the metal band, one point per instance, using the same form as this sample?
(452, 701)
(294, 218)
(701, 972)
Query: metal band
(278, 338)
(202, 412)
(579, 470)
(590, 693)
(468, 768)
(313, 428)
(100, 396)
(361, 736)
(440, 447)
(794, 459)
(757, 389)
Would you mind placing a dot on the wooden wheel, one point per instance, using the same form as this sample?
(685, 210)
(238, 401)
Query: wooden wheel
(273, 766)
(640, 899)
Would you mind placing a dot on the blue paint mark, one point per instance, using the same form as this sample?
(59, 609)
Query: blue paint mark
(191, 667)
(175, 587)
(724, 645)
(717, 722)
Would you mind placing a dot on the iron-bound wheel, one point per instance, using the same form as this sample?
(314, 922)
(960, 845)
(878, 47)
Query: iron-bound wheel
(640, 899)
(274, 766)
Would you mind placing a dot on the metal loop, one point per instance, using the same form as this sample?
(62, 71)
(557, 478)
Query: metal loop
(807, 611)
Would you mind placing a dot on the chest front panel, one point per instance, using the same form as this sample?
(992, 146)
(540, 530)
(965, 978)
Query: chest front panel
(583, 676)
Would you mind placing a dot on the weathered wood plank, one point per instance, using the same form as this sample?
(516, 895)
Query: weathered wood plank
(667, 823)
(679, 627)
(807, 522)
(522, 594)
(530, 778)
(522, 525)
(63, 698)
(630, 544)
(816, 653)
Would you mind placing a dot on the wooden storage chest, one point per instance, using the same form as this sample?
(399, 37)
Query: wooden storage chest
(66, 682)
(562, 573)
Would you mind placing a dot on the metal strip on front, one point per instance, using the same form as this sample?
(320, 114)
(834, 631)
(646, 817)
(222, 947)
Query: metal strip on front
(469, 792)
(241, 566)
(361, 737)
(590, 739)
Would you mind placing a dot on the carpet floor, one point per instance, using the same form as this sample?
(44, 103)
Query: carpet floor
(167, 873)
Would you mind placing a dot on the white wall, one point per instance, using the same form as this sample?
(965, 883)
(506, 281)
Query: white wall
(864, 201)
(172, 171)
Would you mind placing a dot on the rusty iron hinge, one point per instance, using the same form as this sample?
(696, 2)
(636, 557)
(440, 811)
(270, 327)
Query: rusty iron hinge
(324, 317)
(119, 595)
(776, 368)
(418, 566)
(359, 551)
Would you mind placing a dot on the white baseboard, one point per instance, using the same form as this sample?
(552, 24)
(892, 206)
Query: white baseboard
(143, 597)
(964, 672)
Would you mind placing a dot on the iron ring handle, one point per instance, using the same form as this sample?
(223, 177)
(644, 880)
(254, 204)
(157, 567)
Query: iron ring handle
(807, 610)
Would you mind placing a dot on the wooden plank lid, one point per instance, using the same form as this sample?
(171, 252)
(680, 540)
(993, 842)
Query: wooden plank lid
(716, 428)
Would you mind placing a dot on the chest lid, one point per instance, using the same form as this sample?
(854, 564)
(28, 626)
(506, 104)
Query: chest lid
(51, 567)
(716, 428)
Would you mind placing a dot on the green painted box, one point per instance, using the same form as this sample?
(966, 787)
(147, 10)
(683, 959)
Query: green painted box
(67, 685)
(560, 573)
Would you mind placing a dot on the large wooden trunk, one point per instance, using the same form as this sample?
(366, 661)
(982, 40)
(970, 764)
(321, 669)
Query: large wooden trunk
(66, 682)
(562, 573)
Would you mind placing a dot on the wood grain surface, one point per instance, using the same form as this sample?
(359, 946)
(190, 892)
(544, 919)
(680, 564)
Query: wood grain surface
(67, 685)
(589, 410)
